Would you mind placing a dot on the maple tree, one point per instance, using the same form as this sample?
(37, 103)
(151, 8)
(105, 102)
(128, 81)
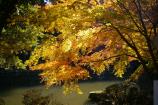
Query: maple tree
(69, 35)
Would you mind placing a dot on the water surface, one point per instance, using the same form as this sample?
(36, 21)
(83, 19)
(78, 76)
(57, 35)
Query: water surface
(15, 96)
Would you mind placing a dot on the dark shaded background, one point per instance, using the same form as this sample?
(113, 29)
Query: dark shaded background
(156, 92)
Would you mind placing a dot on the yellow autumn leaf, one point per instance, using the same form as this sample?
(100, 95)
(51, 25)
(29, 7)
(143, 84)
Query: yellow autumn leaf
(66, 45)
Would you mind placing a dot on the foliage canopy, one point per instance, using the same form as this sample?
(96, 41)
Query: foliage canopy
(69, 35)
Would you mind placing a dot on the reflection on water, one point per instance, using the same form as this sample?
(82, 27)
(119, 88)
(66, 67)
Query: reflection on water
(15, 96)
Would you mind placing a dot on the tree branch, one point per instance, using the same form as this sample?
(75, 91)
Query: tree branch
(131, 17)
(148, 41)
(115, 56)
(131, 46)
(139, 10)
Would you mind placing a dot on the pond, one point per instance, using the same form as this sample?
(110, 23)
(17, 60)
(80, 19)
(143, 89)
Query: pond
(15, 96)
